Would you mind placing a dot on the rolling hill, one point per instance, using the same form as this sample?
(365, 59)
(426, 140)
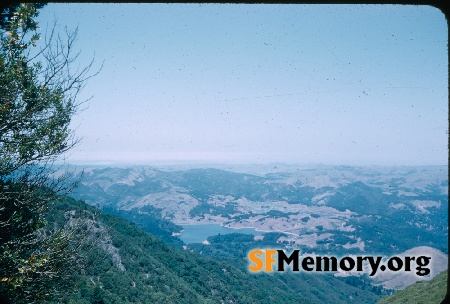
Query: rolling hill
(430, 292)
(129, 265)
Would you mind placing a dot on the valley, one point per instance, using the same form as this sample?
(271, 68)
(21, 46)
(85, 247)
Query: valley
(318, 209)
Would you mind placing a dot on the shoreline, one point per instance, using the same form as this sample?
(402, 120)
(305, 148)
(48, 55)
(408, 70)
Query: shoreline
(237, 228)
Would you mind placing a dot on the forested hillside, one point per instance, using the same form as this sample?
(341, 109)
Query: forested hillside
(431, 292)
(129, 265)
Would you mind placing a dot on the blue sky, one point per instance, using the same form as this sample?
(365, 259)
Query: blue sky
(332, 84)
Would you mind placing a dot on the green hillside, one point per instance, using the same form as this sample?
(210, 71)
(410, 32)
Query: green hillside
(130, 265)
(429, 292)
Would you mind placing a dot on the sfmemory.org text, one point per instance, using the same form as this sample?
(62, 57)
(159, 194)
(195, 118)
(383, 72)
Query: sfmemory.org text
(268, 259)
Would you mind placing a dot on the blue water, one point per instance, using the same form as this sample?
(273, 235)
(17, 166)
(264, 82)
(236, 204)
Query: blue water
(199, 233)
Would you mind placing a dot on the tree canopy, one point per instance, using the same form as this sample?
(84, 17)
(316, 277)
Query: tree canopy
(38, 97)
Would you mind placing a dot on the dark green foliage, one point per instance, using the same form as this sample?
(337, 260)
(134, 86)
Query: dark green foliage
(158, 273)
(149, 219)
(373, 216)
(365, 283)
(7, 14)
(203, 208)
(232, 245)
(37, 100)
(377, 219)
(38, 261)
(21, 221)
(428, 292)
(305, 219)
(37, 94)
(203, 183)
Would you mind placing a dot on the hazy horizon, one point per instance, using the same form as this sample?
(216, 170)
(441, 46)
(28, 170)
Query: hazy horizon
(236, 83)
(204, 164)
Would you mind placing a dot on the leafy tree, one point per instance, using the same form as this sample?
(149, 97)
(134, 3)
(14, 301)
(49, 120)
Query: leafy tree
(38, 97)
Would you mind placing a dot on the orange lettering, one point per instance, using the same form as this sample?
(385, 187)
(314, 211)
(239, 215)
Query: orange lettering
(258, 263)
(269, 259)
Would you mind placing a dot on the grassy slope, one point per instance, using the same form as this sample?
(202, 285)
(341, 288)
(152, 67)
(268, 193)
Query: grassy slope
(429, 292)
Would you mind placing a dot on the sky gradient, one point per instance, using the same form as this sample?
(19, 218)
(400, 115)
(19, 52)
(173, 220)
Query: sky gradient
(332, 84)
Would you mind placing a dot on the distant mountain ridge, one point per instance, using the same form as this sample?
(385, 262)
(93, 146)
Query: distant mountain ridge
(336, 209)
(333, 210)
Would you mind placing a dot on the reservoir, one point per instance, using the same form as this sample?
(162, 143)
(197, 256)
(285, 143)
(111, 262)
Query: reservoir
(199, 233)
